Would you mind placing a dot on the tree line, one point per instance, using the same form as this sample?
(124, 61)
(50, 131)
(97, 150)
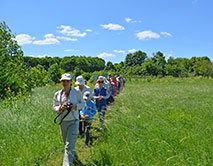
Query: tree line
(19, 74)
(138, 64)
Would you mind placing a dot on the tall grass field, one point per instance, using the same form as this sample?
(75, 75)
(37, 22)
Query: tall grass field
(159, 122)
(152, 122)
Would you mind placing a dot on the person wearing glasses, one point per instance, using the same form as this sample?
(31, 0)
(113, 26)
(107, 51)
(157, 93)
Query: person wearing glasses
(100, 94)
(69, 125)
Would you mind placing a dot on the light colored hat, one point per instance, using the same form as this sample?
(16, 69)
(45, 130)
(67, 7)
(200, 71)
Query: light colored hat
(100, 78)
(66, 76)
(80, 81)
(86, 95)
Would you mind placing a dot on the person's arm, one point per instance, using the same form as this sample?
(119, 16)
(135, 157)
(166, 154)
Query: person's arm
(94, 94)
(56, 103)
(82, 111)
(57, 106)
(93, 112)
(81, 102)
(107, 95)
(91, 95)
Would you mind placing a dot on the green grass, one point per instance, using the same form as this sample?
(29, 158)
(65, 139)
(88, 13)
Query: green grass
(27, 132)
(159, 122)
(153, 122)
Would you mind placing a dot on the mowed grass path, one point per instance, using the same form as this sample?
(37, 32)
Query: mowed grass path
(162, 122)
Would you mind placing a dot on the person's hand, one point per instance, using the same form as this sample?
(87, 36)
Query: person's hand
(63, 106)
(100, 97)
(82, 116)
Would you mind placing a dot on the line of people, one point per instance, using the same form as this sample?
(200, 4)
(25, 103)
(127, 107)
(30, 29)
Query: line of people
(85, 104)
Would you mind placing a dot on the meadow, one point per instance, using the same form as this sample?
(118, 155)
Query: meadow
(159, 122)
(152, 122)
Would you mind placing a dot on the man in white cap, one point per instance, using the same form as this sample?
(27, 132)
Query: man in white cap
(69, 125)
(83, 88)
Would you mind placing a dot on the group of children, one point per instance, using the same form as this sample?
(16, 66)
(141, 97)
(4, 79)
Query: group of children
(104, 92)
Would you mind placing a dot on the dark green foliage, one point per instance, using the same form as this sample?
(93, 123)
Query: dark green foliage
(136, 58)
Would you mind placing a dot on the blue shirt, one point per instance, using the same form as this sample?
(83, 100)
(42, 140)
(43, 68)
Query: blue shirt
(89, 109)
(100, 92)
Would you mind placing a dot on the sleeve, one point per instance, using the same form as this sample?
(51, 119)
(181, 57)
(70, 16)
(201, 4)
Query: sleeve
(56, 103)
(82, 111)
(93, 109)
(81, 102)
(94, 94)
(107, 95)
(91, 95)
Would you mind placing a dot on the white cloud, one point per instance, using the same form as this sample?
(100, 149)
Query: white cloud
(88, 30)
(128, 19)
(67, 30)
(46, 41)
(39, 56)
(132, 50)
(147, 35)
(70, 50)
(167, 56)
(49, 35)
(105, 55)
(43, 56)
(166, 34)
(24, 39)
(119, 51)
(66, 38)
(113, 27)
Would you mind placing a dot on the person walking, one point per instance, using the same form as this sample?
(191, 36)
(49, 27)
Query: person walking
(80, 82)
(69, 125)
(100, 95)
(87, 115)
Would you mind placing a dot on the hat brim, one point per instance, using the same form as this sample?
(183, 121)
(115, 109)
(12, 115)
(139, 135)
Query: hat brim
(80, 83)
(65, 79)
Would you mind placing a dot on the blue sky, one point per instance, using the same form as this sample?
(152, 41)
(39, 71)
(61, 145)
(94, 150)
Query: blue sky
(111, 29)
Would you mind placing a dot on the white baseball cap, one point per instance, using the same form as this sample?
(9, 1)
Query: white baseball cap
(80, 80)
(86, 95)
(66, 76)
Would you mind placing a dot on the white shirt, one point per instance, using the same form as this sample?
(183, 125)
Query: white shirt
(75, 97)
(86, 88)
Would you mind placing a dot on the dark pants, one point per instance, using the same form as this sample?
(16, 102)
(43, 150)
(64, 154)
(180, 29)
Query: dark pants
(81, 127)
(110, 99)
(87, 135)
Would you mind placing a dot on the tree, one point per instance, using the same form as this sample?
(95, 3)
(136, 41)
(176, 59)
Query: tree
(109, 66)
(13, 71)
(39, 76)
(56, 73)
(137, 58)
(203, 68)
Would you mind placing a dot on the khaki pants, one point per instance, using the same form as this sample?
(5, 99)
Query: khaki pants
(69, 132)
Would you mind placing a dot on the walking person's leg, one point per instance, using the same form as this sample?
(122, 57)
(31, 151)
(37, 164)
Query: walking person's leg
(81, 131)
(72, 133)
(87, 132)
(101, 116)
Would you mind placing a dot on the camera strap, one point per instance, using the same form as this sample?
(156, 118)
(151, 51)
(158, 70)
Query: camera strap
(62, 111)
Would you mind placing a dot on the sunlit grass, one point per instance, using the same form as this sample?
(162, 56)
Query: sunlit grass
(153, 122)
(27, 132)
(164, 122)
